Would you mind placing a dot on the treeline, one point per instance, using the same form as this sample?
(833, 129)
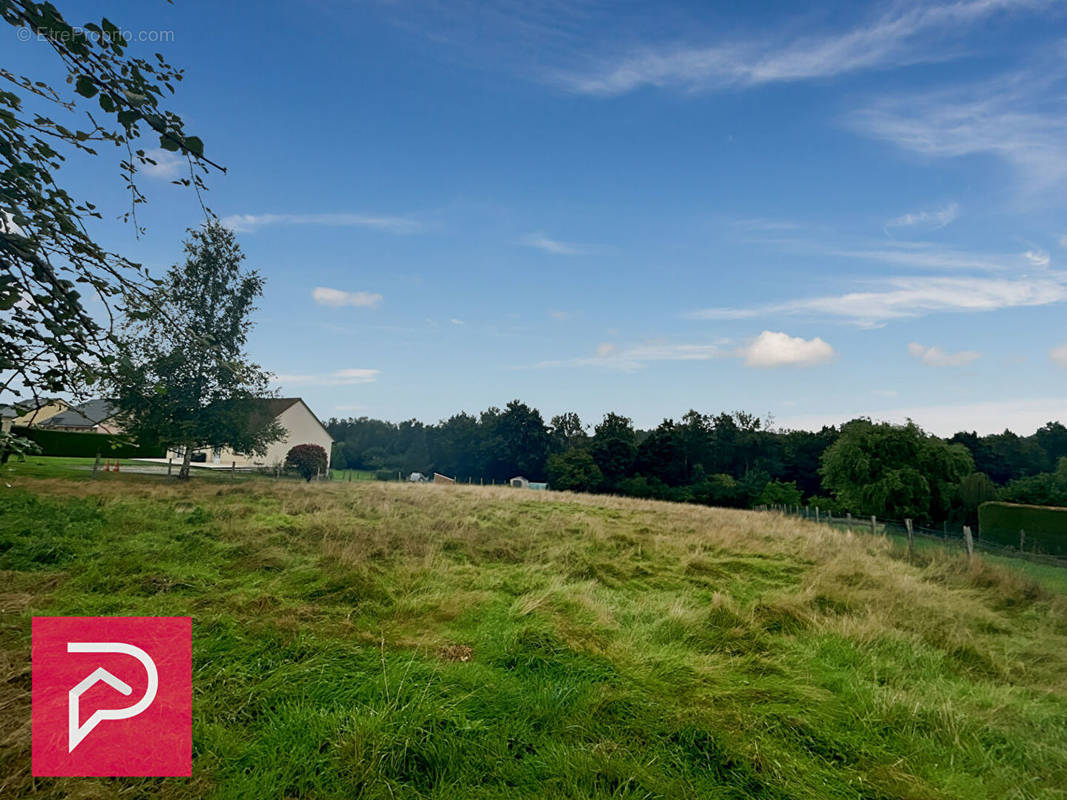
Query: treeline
(728, 459)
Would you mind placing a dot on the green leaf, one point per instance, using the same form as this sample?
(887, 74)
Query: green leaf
(194, 145)
(168, 144)
(85, 86)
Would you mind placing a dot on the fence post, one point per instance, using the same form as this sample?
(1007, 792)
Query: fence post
(96, 465)
(233, 469)
(170, 464)
(874, 525)
(968, 540)
(848, 522)
(816, 513)
(1022, 540)
(911, 538)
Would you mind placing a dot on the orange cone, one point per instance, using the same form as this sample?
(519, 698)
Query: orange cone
(107, 465)
(116, 465)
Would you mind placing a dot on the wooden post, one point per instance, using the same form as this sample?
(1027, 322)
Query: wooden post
(874, 525)
(848, 522)
(968, 541)
(96, 465)
(816, 513)
(1022, 540)
(829, 517)
(233, 469)
(170, 465)
(911, 538)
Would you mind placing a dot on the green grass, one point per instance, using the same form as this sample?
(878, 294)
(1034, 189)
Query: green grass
(383, 640)
(353, 474)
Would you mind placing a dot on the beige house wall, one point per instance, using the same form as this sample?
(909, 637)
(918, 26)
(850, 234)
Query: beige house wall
(301, 427)
(37, 416)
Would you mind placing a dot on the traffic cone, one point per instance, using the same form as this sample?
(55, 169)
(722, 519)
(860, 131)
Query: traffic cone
(107, 465)
(116, 465)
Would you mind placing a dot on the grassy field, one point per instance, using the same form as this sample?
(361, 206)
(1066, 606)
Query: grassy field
(384, 640)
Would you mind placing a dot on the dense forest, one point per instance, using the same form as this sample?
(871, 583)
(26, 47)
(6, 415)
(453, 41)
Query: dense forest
(728, 459)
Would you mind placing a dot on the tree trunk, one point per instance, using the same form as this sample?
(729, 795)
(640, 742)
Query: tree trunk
(183, 473)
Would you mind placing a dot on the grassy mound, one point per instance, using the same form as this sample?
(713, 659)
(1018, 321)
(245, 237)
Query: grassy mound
(385, 640)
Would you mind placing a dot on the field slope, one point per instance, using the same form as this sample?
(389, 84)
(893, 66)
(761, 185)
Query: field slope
(372, 640)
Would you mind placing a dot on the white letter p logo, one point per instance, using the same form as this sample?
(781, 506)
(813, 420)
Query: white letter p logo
(76, 732)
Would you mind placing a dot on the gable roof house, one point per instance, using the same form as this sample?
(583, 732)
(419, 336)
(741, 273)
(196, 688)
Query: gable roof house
(33, 413)
(95, 416)
(301, 427)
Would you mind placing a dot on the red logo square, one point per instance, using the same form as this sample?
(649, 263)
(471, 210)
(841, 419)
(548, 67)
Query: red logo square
(112, 696)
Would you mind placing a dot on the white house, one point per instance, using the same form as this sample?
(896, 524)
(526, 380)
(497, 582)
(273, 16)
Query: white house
(301, 427)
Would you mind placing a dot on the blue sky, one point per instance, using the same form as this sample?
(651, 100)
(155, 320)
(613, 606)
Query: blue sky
(811, 214)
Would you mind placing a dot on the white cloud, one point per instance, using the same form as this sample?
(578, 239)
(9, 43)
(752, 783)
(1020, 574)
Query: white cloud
(336, 298)
(562, 316)
(1058, 355)
(605, 349)
(166, 167)
(929, 220)
(539, 241)
(936, 357)
(341, 377)
(776, 349)
(1063, 241)
(898, 37)
(1039, 258)
(252, 222)
(456, 321)
(903, 297)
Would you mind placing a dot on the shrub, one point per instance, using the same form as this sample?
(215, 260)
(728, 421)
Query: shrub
(74, 444)
(1045, 526)
(780, 493)
(384, 475)
(308, 460)
(574, 471)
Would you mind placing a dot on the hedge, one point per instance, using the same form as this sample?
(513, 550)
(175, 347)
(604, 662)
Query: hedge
(73, 444)
(1045, 526)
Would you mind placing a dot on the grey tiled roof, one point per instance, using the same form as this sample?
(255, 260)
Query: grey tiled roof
(84, 416)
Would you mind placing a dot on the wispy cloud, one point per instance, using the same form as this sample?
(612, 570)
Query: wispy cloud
(341, 377)
(540, 241)
(1039, 258)
(166, 167)
(936, 357)
(769, 349)
(634, 357)
(337, 298)
(776, 349)
(902, 297)
(251, 222)
(897, 37)
(1019, 119)
(561, 316)
(1058, 355)
(926, 220)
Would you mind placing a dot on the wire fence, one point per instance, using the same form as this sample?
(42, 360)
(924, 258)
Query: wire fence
(946, 536)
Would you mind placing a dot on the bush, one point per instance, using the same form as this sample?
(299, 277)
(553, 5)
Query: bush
(574, 471)
(780, 493)
(73, 444)
(384, 475)
(1045, 526)
(307, 459)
